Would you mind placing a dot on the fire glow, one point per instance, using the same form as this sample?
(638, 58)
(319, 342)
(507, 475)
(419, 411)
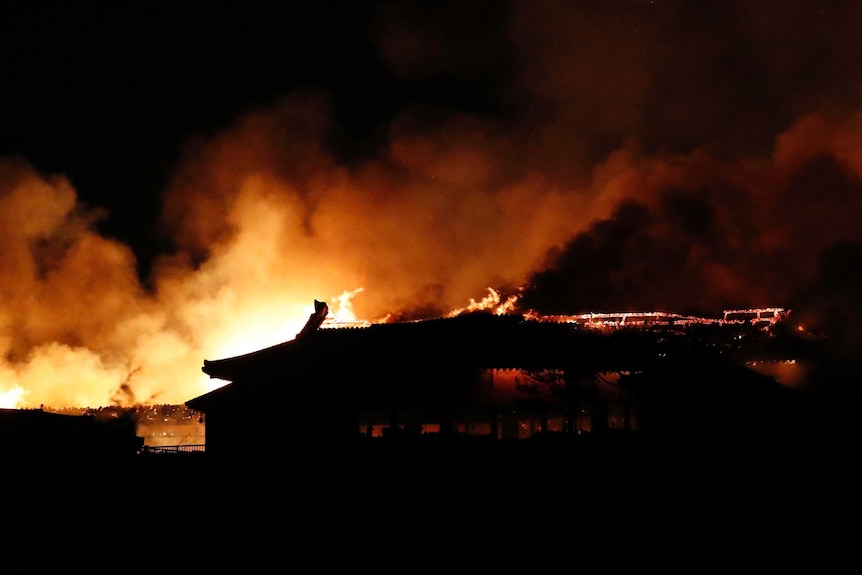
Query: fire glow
(261, 224)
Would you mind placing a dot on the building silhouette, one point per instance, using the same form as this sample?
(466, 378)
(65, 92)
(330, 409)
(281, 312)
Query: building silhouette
(494, 377)
(37, 436)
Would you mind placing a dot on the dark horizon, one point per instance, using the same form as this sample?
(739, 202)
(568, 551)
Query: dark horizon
(607, 487)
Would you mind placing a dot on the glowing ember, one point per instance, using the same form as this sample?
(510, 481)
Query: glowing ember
(490, 302)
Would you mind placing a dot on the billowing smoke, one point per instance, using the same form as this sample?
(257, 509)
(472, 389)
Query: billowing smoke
(698, 235)
(602, 158)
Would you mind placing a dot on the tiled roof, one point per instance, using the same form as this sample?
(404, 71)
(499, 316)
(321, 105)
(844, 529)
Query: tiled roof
(477, 340)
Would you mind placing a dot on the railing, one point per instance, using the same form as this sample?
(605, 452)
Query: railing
(195, 448)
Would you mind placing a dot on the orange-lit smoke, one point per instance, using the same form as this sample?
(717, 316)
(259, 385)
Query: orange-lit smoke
(264, 217)
(265, 222)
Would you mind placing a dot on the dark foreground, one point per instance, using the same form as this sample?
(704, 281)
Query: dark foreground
(622, 500)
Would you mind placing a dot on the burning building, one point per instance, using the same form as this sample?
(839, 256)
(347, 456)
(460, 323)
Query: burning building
(500, 376)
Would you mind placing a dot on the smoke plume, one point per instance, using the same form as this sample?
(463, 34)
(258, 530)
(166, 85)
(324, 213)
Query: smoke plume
(605, 157)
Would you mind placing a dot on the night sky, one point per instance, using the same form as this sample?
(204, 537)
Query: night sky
(181, 183)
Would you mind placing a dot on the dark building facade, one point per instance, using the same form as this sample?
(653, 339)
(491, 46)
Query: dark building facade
(37, 436)
(504, 377)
